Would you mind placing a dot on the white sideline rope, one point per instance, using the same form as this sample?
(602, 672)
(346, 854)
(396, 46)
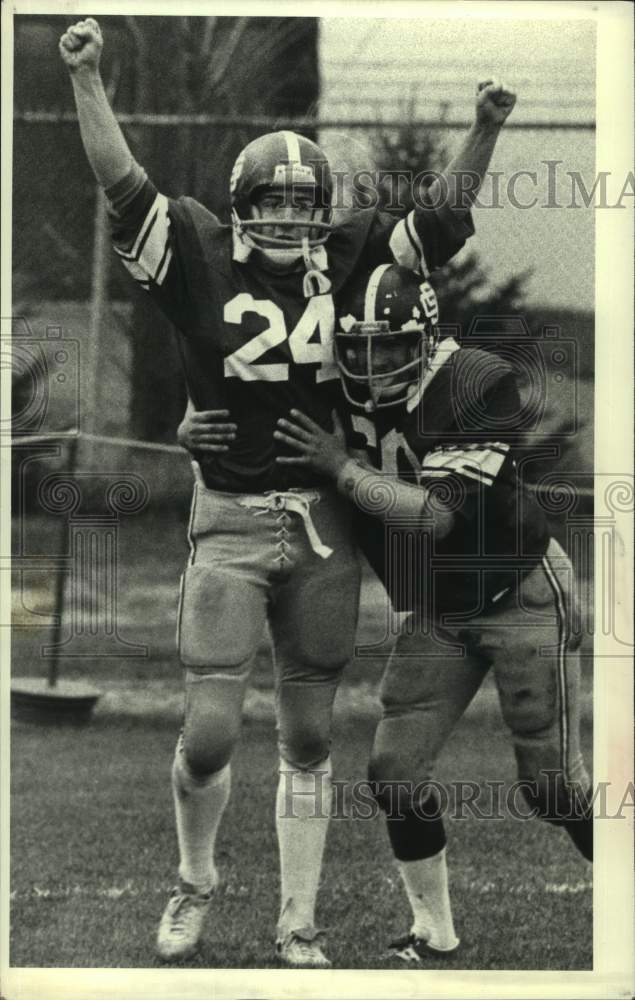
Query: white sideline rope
(298, 124)
(175, 449)
(26, 439)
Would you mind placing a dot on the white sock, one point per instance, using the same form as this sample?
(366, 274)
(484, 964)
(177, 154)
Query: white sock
(426, 883)
(199, 806)
(303, 810)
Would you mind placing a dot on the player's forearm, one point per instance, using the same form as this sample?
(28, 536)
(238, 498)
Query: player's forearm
(463, 177)
(383, 496)
(104, 143)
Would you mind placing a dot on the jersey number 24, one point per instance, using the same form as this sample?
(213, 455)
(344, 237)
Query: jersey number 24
(318, 317)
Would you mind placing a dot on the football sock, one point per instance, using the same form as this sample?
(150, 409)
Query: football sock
(303, 809)
(416, 834)
(199, 804)
(426, 883)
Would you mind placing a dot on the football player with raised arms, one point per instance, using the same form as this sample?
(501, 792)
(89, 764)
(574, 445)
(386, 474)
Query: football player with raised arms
(458, 542)
(253, 306)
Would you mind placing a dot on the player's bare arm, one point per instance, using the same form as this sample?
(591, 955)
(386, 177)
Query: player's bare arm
(206, 430)
(106, 149)
(464, 175)
(358, 481)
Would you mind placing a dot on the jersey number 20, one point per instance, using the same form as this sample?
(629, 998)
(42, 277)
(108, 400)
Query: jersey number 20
(319, 316)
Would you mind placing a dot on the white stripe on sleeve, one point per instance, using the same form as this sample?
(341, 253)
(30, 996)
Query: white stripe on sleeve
(406, 247)
(150, 255)
(482, 464)
(155, 249)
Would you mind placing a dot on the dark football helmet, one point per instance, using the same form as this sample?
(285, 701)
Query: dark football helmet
(387, 336)
(289, 163)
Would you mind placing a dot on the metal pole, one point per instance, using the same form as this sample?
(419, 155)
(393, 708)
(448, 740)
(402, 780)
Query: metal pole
(60, 584)
(98, 296)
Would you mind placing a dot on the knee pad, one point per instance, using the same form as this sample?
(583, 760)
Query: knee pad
(304, 721)
(413, 810)
(204, 758)
(213, 716)
(531, 712)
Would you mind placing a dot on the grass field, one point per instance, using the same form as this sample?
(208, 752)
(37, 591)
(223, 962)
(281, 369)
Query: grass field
(93, 844)
(94, 856)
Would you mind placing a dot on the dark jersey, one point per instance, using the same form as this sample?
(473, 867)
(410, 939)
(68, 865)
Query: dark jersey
(456, 437)
(249, 339)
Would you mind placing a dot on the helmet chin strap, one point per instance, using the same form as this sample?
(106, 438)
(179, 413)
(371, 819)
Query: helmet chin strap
(315, 282)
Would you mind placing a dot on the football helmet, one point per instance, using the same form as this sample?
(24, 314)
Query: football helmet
(387, 336)
(288, 163)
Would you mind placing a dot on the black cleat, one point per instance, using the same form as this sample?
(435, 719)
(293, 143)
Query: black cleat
(414, 950)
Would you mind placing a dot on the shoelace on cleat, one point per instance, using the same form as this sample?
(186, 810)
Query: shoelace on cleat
(303, 940)
(184, 909)
(306, 949)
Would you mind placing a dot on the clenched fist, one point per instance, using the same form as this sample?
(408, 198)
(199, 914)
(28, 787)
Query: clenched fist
(494, 102)
(80, 46)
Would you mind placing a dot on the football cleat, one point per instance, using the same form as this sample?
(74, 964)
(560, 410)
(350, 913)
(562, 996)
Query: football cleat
(182, 923)
(300, 949)
(414, 950)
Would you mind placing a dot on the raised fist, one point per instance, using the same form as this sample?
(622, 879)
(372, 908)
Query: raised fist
(494, 102)
(80, 46)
